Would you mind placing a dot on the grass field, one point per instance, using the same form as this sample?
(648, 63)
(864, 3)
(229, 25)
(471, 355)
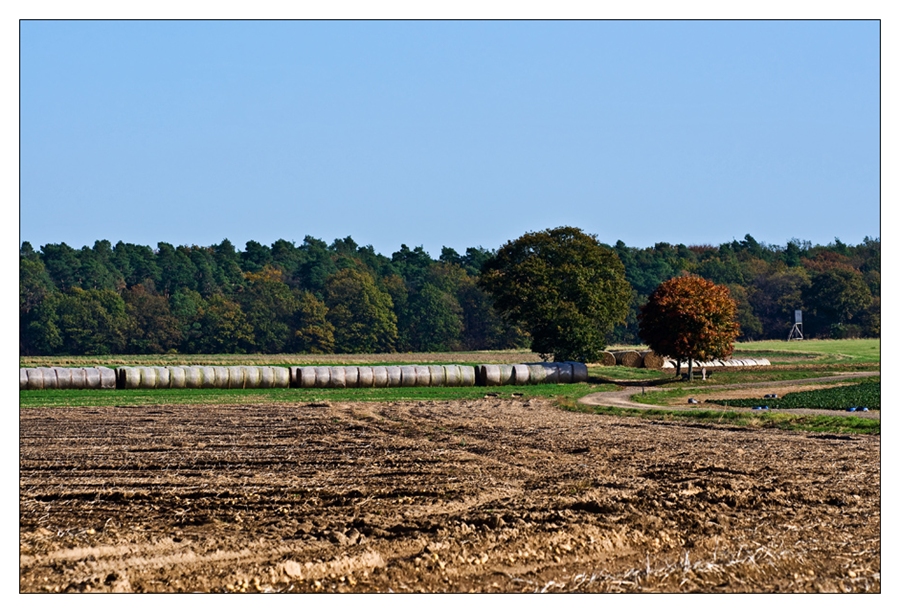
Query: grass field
(837, 351)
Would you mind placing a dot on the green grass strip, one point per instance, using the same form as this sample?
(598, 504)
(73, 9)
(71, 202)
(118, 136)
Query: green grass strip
(865, 394)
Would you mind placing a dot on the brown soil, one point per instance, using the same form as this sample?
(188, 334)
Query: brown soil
(491, 495)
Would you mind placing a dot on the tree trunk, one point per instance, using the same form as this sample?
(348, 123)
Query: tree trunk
(690, 368)
(677, 367)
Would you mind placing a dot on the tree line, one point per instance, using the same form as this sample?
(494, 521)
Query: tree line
(346, 298)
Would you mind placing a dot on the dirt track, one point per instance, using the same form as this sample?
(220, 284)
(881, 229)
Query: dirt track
(487, 496)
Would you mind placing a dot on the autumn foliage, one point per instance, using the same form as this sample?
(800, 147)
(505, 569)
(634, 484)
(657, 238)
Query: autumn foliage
(690, 318)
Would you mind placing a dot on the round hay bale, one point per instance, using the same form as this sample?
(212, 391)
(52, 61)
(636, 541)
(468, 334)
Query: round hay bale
(266, 377)
(579, 372)
(607, 359)
(651, 359)
(92, 378)
(221, 377)
(23, 379)
(351, 376)
(163, 380)
(489, 374)
(763, 362)
(282, 376)
(408, 376)
(338, 379)
(466, 376)
(521, 374)
(130, 378)
(393, 376)
(451, 375)
(323, 376)
(632, 359)
(423, 376)
(235, 378)
(148, 378)
(566, 372)
(63, 378)
(207, 377)
(506, 374)
(177, 379)
(107, 378)
(193, 377)
(306, 377)
(436, 376)
(50, 382)
(35, 378)
(537, 374)
(380, 377)
(251, 377)
(365, 376)
(79, 379)
(551, 372)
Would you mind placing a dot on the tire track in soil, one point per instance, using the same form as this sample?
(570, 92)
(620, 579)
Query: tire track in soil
(490, 495)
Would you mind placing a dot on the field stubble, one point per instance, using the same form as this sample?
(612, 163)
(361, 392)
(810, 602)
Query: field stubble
(484, 495)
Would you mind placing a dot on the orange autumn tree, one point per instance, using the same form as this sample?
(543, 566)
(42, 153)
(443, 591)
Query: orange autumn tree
(690, 318)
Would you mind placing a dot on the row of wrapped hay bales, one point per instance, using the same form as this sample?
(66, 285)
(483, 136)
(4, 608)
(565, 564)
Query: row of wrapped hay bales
(67, 378)
(197, 377)
(719, 363)
(382, 376)
(531, 374)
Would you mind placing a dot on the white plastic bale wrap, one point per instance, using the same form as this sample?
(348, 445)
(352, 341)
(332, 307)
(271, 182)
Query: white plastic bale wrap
(23, 379)
(131, 377)
(35, 378)
(163, 377)
(393, 376)
(380, 377)
(107, 378)
(521, 374)
(306, 377)
(266, 377)
(436, 376)
(506, 374)
(423, 376)
(323, 376)
(251, 377)
(148, 377)
(235, 378)
(565, 372)
(282, 376)
(79, 378)
(221, 377)
(579, 372)
(193, 377)
(365, 377)
(351, 376)
(92, 378)
(49, 375)
(551, 372)
(338, 377)
(451, 376)
(177, 379)
(408, 376)
(489, 374)
(467, 376)
(63, 378)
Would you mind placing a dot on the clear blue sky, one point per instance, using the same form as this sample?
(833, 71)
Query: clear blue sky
(451, 134)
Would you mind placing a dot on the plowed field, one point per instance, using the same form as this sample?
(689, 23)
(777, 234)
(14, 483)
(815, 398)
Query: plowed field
(493, 495)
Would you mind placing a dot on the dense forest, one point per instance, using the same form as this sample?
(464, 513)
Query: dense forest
(344, 298)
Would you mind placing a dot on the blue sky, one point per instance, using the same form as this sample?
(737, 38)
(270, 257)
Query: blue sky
(448, 133)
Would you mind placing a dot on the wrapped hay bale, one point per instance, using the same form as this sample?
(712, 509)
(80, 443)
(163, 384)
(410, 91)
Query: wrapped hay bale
(207, 377)
(107, 378)
(35, 378)
(365, 377)
(607, 359)
(63, 378)
(521, 374)
(177, 378)
(282, 376)
(235, 378)
(763, 362)
(351, 376)
(651, 359)
(380, 377)
(338, 378)
(221, 377)
(489, 374)
(23, 379)
(148, 377)
(408, 376)
(506, 374)
(436, 376)
(79, 379)
(163, 380)
(423, 376)
(466, 376)
(50, 382)
(193, 377)
(452, 376)
(394, 376)
(632, 359)
(266, 377)
(579, 372)
(92, 378)
(130, 378)
(252, 377)
(537, 374)
(306, 376)
(565, 372)
(323, 376)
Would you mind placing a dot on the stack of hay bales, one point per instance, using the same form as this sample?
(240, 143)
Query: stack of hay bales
(67, 378)
(382, 376)
(197, 377)
(632, 359)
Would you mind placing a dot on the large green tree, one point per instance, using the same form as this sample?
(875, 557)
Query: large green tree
(563, 287)
(362, 314)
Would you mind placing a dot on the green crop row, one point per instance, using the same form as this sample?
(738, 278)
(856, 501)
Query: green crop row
(866, 394)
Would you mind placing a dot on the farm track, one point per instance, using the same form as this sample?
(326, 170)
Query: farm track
(622, 398)
(490, 495)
